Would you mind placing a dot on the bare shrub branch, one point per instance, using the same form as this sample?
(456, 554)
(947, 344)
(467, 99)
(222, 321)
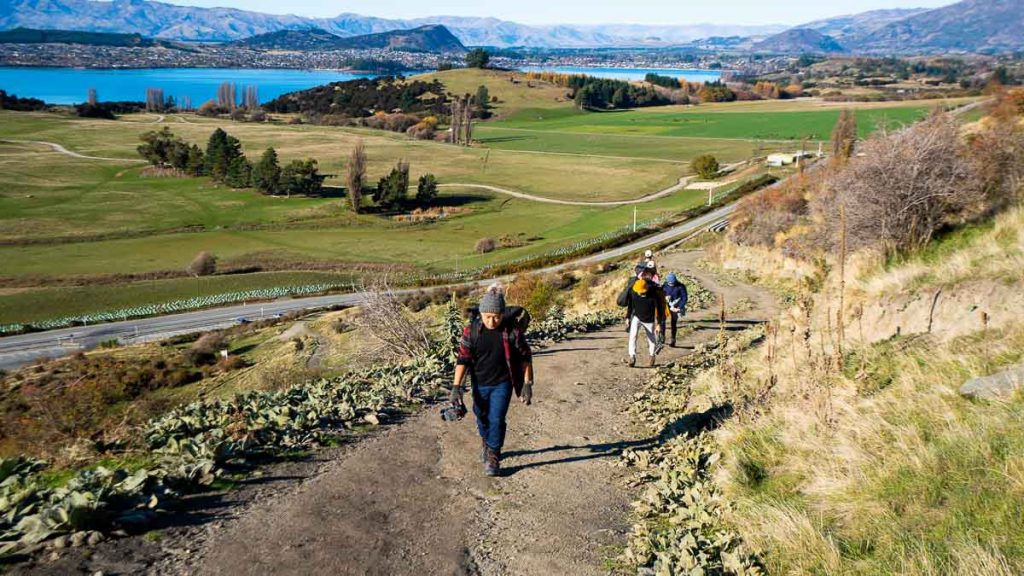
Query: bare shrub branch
(907, 185)
(761, 217)
(998, 155)
(485, 245)
(388, 322)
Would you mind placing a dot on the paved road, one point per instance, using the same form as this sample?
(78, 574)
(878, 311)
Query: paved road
(25, 348)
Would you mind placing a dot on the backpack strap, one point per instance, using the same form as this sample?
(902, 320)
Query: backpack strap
(476, 326)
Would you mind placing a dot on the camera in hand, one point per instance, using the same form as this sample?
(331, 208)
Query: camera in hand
(452, 413)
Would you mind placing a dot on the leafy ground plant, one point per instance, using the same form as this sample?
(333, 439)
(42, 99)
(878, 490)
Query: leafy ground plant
(190, 448)
(681, 515)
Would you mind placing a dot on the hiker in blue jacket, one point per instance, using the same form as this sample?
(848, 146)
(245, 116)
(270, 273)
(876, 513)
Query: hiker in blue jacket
(675, 293)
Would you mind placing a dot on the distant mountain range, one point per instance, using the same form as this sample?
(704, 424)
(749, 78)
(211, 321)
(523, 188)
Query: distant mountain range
(854, 26)
(32, 36)
(430, 38)
(966, 26)
(799, 41)
(172, 22)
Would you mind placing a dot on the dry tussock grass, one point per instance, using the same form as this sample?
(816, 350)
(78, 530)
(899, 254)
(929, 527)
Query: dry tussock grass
(996, 252)
(886, 467)
(876, 464)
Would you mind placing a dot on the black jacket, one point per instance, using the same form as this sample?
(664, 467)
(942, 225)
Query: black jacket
(649, 306)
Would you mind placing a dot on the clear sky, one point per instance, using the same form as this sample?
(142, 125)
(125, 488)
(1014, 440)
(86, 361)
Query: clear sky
(582, 11)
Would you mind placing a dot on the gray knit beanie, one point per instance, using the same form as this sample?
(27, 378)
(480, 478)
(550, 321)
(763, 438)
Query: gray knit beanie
(493, 300)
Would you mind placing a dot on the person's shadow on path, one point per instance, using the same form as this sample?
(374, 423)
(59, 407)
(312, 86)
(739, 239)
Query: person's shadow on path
(689, 424)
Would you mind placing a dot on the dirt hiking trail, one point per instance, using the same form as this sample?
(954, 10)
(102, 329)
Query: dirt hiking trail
(412, 499)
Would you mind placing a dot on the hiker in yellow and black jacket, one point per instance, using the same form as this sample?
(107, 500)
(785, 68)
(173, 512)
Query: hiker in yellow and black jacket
(647, 307)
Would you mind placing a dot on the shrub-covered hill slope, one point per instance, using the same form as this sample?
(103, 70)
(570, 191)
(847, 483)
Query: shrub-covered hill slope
(851, 448)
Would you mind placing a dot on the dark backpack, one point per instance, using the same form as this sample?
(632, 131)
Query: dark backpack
(515, 317)
(623, 299)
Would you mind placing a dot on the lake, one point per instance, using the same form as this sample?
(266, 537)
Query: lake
(632, 73)
(71, 85)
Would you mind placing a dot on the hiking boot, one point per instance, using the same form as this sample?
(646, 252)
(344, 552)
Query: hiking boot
(492, 465)
(672, 343)
(652, 361)
(632, 361)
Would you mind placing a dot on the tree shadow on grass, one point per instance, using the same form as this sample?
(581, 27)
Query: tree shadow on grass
(494, 139)
(457, 200)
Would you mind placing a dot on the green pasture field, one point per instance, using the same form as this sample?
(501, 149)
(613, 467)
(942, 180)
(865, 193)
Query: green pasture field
(745, 123)
(435, 247)
(664, 148)
(46, 303)
(432, 246)
(70, 217)
(48, 195)
(511, 96)
(594, 178)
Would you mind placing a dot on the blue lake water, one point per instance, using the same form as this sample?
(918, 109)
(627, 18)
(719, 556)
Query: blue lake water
(71, 85)
(632, 73)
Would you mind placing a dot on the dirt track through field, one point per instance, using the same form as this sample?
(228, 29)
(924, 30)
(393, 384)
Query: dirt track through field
(62, 150)
(680, 185)
(412, 499)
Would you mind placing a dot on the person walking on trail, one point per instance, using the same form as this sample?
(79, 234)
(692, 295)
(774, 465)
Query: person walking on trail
(648, 256)
(651, 272)
(494, 351)
(675, 294)
(645, 270)
(648, 265)
(647, 308)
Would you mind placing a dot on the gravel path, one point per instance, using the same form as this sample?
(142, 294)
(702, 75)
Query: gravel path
(411, 499)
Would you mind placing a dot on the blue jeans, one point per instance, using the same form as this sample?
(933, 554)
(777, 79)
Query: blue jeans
(490, 405)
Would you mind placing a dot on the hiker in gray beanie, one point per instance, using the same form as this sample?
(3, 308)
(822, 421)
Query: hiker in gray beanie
(494, 352)
(493, 302)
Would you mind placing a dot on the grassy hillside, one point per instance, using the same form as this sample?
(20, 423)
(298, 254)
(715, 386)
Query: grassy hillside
(847, 446)
(512, 96)
(881, 467)
(64, 218)
(748, 122)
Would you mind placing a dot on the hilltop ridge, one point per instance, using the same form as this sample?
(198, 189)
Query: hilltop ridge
(429, 38)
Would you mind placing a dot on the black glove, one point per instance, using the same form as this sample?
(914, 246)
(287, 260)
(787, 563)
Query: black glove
(527, 396)
(456, 396)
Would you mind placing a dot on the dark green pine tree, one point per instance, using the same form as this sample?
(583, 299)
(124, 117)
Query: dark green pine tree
(196, 165)
(239, 173)
(216, 155)
(302, 177)
(266, 174)
(426, 190)
(620, 98)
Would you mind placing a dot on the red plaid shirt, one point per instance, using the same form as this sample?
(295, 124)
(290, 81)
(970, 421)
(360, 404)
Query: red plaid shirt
(517, 352)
